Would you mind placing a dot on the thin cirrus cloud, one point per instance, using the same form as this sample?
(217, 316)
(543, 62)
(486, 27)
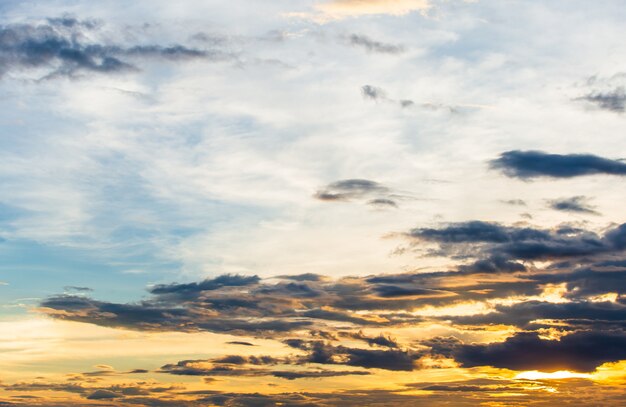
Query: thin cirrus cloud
(537, 164)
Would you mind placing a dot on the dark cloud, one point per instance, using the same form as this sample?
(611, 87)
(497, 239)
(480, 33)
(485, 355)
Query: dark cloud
(138, 371)
(249, 306)
(226, 280)
(235, 365)
(392, 291)
(380, 340)
(240, 343)
(320, 317)
(476, 232)
(241, 305)
(493, 264)
(374, 46)
(577, 204)
(614, 100)
(499, 244)
(62, 47)
(533, 164)
(580, 351)
(574, 313)
(589, 281)
(324, 353)
(103, 395)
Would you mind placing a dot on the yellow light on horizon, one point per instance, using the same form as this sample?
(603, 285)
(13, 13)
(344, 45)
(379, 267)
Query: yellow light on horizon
(561, 374)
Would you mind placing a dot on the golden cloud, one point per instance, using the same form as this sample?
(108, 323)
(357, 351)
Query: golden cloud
(341, 9)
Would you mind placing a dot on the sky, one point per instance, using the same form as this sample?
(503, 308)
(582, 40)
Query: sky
(312, 203)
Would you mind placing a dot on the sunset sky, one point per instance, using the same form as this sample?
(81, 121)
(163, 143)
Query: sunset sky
(312, 203)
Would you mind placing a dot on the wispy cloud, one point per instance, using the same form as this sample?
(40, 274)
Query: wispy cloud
(65, 47)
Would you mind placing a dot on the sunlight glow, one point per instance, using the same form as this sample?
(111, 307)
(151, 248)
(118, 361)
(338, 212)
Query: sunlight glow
(561, 374)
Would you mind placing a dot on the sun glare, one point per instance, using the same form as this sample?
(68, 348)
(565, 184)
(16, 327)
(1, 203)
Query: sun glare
(561, 374)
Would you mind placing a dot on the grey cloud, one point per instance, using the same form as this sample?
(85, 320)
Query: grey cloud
(577, 204)
(103, 395)
(61, 47)
(614, 100)
(76, 288)
(533, 164)
(372, 92)
(236, 365)
(383, 202)
(347, 190)
(186, 290)
(374, 46)
(516, 202)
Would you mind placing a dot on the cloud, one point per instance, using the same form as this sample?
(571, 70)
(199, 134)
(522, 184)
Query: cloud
(499, 243)
(103, 395)
(371, 192)
(372, 92)
(614, 101)
(238, 366)
(582, 314)
(380, 95)
(380, 340)
(515, 202)
(242, 343)
(371, 45)
(580, 351)
(133, 393)
(576, 204)
(317, 374)
(533, 164)
(62, 47)
(532, 279)
(325, 353)
(190, 289)
(382, 203)
(76, 288)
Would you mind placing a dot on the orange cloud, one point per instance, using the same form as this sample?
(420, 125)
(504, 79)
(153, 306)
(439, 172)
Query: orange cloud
(340, 9)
